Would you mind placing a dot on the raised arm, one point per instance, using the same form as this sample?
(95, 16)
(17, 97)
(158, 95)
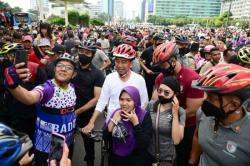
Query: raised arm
(14, 75)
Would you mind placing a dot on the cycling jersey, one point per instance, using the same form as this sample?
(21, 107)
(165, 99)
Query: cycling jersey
(55, 113)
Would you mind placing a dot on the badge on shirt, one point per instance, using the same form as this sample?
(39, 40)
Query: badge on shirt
(231, 146)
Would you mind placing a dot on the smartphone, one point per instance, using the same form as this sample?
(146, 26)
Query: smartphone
(56, 147)
(21, 56)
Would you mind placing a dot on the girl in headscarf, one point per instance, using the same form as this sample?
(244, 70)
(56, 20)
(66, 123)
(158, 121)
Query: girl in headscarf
(169, 125)
(131, 128)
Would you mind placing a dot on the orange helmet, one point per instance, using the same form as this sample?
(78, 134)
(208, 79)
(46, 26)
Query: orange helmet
(124, 51)
(226, 79)
(164, 51)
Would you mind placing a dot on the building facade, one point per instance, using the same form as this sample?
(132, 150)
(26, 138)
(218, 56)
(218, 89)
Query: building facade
(95, 9)
(42, 6)
(239, 8)
(143, 10)
(119, 9)
(108, 7)
(189, 8)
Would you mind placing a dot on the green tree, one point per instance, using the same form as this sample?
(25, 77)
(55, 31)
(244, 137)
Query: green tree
(16, 9)
(56, 20)
(137, 20)
(73, 16)
(84, 19)
(4, 5)
(104, 16)
(33, 11)
(96, 21)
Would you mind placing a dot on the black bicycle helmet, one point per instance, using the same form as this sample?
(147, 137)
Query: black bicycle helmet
(88, 45)
(180, 38)
(159, 36)
(14, 145)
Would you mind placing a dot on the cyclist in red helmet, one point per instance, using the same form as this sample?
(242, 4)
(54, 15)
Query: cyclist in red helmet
(165, 56)
(223, 122)
(115, 82)
(130, 40)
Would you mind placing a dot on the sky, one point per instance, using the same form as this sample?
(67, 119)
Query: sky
(130, 5)
(24, 4)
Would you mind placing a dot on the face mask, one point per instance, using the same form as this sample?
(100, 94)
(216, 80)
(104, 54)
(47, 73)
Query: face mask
(84, 60)
(169, 71)
(163, 100)
(183, 51)
(211, 110)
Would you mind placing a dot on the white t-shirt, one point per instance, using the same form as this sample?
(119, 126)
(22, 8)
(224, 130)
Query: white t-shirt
(104, 44)
(111, 90)
(99, 58)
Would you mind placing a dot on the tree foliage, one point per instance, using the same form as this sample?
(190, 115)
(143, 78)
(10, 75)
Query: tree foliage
(35, 12)
(104, 16)
(4, 5)
(16, 9)
(73, 16)
(96, 21)
(216, 21)
(56, 20)
(84, 19)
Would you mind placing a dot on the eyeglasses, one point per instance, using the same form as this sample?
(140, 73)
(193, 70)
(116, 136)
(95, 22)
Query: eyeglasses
(67, 67)
(165, 92)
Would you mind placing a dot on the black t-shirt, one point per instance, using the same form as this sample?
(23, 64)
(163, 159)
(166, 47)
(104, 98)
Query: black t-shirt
(50, 70)
(84, 82)
(147, 55)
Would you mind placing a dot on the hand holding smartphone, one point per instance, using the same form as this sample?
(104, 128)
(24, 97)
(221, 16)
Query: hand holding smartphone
(56, 147)
(21, 56)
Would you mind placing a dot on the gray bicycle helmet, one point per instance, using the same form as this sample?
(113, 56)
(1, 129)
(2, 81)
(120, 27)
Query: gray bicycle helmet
(159, 36)
(68, 57)
(180, 38)
(88, 45)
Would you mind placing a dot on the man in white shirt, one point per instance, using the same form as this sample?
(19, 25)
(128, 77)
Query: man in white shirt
(101, 60)
(104, 43)
(115, 82)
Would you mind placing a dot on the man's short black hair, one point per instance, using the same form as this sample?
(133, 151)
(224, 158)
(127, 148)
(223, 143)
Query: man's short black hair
(194, 47)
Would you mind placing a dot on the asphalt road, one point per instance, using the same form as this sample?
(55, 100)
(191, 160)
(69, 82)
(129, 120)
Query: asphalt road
(79, 151)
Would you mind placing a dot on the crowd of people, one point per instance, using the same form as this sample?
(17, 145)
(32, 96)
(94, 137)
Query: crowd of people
(172, 96)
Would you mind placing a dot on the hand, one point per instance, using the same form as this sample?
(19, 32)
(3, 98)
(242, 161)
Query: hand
(65, 161)
(23, 73)
(26, 159)
(176, 106)
(149, 71)
(117, 116)
(77, 112)
(131, 116)
(87, 129)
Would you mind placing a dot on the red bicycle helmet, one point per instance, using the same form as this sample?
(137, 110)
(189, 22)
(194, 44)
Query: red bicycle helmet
(124, 51)
(226, 79)
(130, 40)
(164, 51)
